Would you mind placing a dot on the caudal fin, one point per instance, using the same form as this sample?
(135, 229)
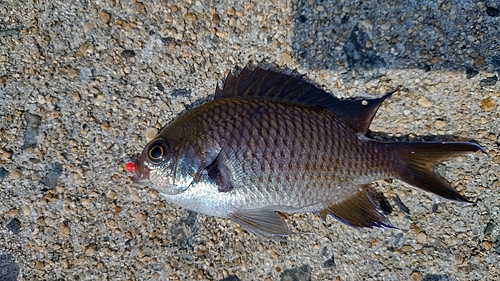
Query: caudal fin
(420, 160)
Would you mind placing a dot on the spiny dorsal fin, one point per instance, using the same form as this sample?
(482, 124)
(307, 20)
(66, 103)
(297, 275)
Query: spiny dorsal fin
(272, 85)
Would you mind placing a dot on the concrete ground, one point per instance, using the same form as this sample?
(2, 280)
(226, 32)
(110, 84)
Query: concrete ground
(84, 84)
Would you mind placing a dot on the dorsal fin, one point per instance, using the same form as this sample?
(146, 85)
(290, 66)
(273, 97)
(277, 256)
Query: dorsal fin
(360, 112)
(272, 85)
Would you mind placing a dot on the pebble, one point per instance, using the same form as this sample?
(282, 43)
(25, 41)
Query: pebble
(423, 101)
(33, 122)
(134, 196)
(492, 11)
(297, 273)
(386, 26)
(151, 133)
(15, 174)
(489, 81)
(421, 238)
(3, 173)
(416, 276)
(52, 177)
(488, 104)
(440, 124)
(104, 17)
(471, 72)
(286, 58)
(367, 24)
(190, 18)
(14, 225)
(64, 230)
(216, 19)
(26, 210)
(9, 268)
(90, 250)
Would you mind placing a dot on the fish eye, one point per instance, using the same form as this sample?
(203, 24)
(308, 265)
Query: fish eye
(156, 153)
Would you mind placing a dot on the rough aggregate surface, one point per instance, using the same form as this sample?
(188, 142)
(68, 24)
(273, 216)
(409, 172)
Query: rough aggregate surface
(85, 84)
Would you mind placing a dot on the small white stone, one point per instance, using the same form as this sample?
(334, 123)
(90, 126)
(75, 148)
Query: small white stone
(386, 26)
(151, 133)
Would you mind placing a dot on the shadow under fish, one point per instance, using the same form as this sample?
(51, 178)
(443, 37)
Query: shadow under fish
(270, 142)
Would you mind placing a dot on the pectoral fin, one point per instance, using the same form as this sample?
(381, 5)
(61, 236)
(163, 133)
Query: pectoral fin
(219, 173)
(359, 210)
(265, 223)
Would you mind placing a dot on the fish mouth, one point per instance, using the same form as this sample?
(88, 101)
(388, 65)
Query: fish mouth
(141, 172)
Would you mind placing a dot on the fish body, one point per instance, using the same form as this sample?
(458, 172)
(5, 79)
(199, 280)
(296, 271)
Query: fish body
(272, 143)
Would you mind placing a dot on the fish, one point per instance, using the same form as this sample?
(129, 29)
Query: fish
(271, 143)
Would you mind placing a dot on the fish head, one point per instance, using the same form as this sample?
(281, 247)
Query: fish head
(166, 168)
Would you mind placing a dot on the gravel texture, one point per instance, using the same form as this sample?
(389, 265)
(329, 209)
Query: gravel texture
(85, 84)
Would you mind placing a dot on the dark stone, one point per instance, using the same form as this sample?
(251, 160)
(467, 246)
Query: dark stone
(361, 59)
(10, 32)
(182, 232)
(51, 178)
(160, 87)
(489, 81)
(435, 277)
(471, 72)
(166, 40)
(56, 257)
(30, 138)
(495, 61)
(434, 207)
(329, 263)
(492, 11)
(345, 19)
(14, 225)
(33, 123)
(302, 273)
(302, 19)
(488, 229)
(181, 92)
(426, 68)
(3, 173)
(401, 205)
(151, 33)
(231, 278)
(496, 245)
(9, 269)
(87, 74)
(397, 237)
(324, 251)
(128, 53)
(35, 160)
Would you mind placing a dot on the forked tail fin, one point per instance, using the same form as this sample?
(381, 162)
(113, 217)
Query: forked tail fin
(419, 160)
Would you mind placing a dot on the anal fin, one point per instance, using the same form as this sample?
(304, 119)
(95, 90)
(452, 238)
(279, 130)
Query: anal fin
(265, 223)
(359, 210)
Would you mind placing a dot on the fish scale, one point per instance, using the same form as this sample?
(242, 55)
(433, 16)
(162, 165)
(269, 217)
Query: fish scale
(270, 142)
(321, 154)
